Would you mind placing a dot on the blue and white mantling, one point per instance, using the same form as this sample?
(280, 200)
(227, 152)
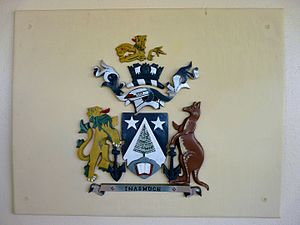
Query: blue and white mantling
(144, 77)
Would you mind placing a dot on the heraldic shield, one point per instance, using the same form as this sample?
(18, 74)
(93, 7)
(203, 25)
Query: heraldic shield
(146, 136)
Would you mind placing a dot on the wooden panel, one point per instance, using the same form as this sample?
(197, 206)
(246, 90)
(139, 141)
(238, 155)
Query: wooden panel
(240, 56)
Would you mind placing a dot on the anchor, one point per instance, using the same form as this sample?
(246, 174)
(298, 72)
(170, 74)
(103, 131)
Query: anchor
(116, 171)
(171, 173)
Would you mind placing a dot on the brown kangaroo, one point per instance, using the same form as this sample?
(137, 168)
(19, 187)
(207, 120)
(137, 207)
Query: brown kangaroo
(192, 157)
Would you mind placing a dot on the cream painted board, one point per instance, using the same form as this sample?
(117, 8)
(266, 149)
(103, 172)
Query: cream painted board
(240, 56)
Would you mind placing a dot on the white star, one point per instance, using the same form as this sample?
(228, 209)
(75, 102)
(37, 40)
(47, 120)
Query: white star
(158, 123)
(131, 123)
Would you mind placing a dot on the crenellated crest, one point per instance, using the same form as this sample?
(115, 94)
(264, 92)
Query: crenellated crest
(145, 74)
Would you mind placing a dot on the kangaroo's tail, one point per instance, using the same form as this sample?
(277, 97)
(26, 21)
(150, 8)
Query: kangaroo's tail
(80, 152)
(201, 183)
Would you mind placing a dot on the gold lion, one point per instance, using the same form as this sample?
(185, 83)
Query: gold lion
(128, 52)
(101, 128)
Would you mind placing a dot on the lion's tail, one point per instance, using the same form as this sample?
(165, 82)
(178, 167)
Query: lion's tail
(80, 152)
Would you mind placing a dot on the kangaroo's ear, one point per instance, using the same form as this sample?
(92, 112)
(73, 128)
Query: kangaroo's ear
(198, 104)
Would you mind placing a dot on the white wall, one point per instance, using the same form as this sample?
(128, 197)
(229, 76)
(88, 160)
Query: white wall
(290, 208)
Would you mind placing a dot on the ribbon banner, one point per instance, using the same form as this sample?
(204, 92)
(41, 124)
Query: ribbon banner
(187, 190)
